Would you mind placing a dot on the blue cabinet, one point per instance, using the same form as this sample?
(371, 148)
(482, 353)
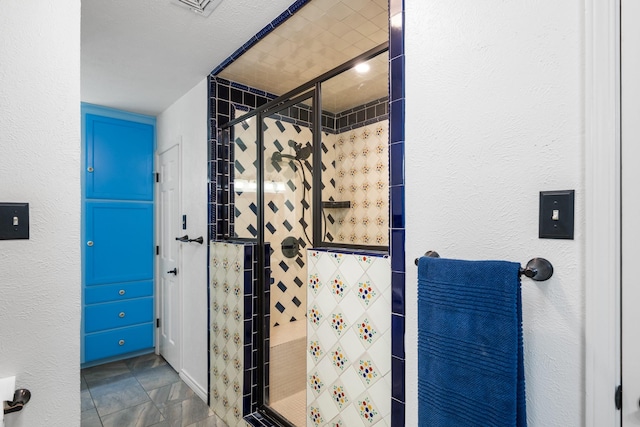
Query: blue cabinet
(118, 234)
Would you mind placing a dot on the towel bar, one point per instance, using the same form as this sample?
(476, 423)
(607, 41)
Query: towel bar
(538, 269)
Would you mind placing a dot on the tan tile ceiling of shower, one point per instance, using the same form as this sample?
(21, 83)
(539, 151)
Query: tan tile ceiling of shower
(320, 36)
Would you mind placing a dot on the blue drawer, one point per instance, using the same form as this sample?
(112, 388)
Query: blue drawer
(117, 292)
(119, 341)
(99, 317)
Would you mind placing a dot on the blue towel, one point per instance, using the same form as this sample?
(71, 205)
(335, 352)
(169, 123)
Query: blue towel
(470, 362)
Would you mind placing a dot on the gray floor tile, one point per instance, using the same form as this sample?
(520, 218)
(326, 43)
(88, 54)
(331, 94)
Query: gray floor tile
(170, 394)
(118, 394)
(146, 361)
(212, 421)
(83, 383)
(137, 416)
(186, 412)
(98, 373)
(156, 377)
(90, 418)
(86, 402)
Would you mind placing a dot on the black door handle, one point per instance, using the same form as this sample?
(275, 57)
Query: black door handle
(174, 271)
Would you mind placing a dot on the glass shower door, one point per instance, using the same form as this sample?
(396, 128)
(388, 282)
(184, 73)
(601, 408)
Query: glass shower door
(288, 221)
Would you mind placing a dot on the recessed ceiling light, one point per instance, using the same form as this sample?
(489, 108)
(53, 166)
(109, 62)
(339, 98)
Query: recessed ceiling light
(362, 68)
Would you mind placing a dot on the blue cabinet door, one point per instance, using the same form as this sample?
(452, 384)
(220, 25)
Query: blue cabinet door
(119, 159)
(119, 242)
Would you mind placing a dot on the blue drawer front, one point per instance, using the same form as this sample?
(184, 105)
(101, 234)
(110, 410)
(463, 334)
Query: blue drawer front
(120, 341)
(100, 317)
(117, 292)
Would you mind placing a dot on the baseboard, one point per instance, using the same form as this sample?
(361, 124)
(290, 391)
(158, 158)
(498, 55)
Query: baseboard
(197, 389)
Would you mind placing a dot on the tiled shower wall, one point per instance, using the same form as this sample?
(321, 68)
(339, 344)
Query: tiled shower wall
(231, 324)
(360, 159)
(349, 339)
(288, 208)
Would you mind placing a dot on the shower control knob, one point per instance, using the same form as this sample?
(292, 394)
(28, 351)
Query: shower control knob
(121, 342)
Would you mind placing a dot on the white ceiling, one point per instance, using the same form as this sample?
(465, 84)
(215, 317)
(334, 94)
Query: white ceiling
(142, 55)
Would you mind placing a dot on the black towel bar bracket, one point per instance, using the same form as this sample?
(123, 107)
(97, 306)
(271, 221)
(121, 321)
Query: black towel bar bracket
(538, 269)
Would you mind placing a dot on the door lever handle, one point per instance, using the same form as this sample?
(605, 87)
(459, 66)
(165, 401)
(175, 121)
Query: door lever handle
(174, 271)
(186, 239)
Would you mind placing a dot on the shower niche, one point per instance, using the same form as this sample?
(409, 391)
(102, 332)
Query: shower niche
(304, 175)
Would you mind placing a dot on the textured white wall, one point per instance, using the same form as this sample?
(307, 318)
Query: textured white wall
(494, 114)
(186, 120)
(40, 164)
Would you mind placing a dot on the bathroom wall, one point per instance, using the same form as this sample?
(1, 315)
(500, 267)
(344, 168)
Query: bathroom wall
(185, 122)
(40, 164)
(494, 114)
(349, 339)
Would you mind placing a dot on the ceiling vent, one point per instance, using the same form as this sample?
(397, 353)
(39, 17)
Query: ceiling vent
(201, 7)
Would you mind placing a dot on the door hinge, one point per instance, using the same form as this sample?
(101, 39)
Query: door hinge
(157, 250)
(618, 397)
(157, 177)
(157, 322)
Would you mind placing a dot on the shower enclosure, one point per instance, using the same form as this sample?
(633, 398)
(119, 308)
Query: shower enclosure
(309, 170)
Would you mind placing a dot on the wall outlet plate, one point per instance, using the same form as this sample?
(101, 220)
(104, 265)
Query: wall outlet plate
(556, 214)
(14, 221)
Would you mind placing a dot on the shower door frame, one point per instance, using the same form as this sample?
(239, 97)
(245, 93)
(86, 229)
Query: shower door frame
(311, 89)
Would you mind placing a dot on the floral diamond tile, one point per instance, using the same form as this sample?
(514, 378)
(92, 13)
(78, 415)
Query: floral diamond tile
(339, 394)
(366, 291)
(315, 383)
(368, 412)
(366, 331)
(366, 370)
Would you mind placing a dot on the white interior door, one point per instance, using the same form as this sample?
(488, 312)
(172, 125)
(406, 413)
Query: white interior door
(169, 289)
(630, 164)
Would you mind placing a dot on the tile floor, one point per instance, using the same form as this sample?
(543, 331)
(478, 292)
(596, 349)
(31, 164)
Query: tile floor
(142, 391)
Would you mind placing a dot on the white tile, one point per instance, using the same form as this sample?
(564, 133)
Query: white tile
(380, 273)
(380, 394)
(352, 345)
(327, 408)
(351, 416)
(326, 370)
(326, 267)
(351, 381)
(351, 269)
(325, 301)
(326, 336)
(352, 307)
(380, 353)
(380, 313)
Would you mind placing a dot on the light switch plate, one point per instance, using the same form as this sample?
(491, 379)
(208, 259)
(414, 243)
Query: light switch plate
(14, 221)
(556, 214)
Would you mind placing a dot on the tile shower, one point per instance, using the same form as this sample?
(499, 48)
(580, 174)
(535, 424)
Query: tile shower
(355, 163)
